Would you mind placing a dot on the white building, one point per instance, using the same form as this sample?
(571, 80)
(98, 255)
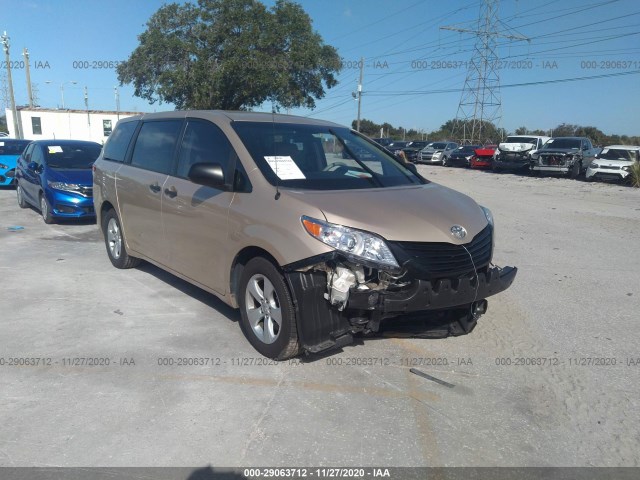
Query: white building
(44, 123)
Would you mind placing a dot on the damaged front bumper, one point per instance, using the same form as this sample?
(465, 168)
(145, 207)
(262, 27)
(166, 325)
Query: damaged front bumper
(428, 308)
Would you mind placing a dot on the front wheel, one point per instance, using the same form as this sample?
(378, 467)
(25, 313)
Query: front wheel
(266, 308)
(114, 241)
(45, 210)
(575, 170)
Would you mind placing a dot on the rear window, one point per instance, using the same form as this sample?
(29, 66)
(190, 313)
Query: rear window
(116, 147)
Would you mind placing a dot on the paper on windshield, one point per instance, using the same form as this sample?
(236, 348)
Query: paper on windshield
(284, 167)
(55, 149)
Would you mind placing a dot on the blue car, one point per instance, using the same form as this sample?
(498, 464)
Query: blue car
(56, 177)
(10, 150)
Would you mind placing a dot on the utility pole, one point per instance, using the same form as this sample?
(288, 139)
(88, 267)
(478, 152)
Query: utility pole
(14, 111)
(358, 95)
(115, 90)
(480, 100)
(25, 54)
(86, 105)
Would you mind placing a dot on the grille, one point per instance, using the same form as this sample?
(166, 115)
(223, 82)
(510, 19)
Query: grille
(607, 167)
(440, 260)
(553, 160)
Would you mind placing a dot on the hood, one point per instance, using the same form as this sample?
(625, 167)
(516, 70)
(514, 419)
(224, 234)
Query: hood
(76, 176)
(485, 152)
(516, 147)
(421, 213)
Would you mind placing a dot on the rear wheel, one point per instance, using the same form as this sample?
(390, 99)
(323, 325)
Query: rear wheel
(114, 241)
(266, 308)
(45, 209)
(22, 203)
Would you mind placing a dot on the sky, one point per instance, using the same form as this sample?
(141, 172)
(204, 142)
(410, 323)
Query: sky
(414, 70)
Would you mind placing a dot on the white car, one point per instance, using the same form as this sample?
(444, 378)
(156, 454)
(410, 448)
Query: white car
(515, 152)
(613, 162)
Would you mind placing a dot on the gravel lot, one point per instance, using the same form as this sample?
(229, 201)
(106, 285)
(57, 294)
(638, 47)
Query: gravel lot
(570, 312)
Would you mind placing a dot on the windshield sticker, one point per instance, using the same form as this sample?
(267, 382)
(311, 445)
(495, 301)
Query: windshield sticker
(284, 167)
(55, 149)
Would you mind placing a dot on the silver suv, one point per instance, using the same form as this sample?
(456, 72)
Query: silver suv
(294, 221)
(437, 152)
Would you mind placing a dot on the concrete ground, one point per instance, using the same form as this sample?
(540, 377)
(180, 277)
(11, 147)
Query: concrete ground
(550, 377)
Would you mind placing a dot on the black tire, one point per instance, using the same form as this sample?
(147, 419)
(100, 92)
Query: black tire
(445, 163)
(45, 210)
(279, 345)
(22, 203)
(495, 168)
(114, 242)
(575, 170)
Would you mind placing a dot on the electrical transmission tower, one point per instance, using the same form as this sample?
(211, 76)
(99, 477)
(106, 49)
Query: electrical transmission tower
(480, 102)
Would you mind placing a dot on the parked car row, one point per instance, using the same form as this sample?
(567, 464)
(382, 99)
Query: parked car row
(570, 156)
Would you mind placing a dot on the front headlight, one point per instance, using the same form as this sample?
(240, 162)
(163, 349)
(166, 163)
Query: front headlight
(357, 243)
(626, 168)
(594, 165)
(65, 187)
(487, 214)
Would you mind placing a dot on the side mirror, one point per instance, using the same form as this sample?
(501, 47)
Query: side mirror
(597, 155)
(412, 168)
(208, 174)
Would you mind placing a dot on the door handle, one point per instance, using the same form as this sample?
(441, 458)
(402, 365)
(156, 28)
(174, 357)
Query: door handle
(155, 188)
(171, 192)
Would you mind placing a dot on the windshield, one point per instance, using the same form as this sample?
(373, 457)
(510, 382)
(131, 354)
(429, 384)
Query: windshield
(78, 156)
(438, 146)
(521, 140)
(618, 154)
(319, 157)
(568, 143)
(13, 147)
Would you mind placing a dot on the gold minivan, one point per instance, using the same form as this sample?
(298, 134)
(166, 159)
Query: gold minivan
(314, 231)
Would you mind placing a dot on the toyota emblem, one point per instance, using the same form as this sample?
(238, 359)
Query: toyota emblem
(458, 231)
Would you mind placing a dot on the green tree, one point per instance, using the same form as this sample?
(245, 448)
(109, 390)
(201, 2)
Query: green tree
(231, 55)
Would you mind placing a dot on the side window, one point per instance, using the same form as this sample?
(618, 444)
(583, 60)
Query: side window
(118, 143)
(204, 142)
(155, 145)
(37, 156)
(28, 152)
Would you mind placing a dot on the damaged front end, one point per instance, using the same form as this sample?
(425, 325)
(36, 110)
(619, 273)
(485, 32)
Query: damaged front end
(435, 290)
